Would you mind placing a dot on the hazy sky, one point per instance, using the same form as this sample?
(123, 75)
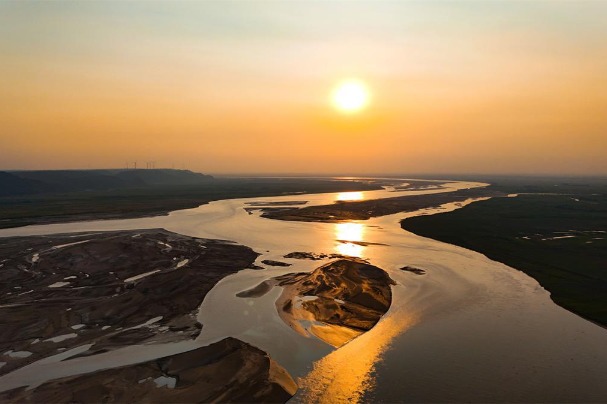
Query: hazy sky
(235, 87)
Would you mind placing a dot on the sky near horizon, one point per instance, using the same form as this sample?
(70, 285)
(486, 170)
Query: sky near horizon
(244, 86)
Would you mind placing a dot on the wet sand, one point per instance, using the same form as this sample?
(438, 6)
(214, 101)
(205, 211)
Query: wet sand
(226, 371)
(109, 290)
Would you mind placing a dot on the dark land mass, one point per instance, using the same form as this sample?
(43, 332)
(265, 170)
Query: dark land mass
(555, 231)
(226, 371)
(273, 263)
(415, 270)
(61, 181)
(106, 200)
(102, 287)
(345, 298)
(363, 210)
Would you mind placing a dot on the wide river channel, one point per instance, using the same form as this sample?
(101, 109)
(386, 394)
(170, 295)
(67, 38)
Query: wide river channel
(469, 329)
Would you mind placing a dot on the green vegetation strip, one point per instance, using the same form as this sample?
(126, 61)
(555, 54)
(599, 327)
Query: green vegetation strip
(559, 240)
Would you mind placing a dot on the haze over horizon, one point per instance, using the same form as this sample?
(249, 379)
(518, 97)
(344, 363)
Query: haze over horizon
(244, 87)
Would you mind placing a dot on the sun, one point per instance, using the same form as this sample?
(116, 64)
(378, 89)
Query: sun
(350, 96)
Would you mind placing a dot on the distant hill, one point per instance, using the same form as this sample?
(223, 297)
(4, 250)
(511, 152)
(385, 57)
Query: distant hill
(11, 184)
(49, 181)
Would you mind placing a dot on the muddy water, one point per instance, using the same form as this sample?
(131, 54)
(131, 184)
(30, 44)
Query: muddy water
(469, 329)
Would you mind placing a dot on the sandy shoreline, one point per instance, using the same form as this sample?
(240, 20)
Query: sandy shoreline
(336, 302)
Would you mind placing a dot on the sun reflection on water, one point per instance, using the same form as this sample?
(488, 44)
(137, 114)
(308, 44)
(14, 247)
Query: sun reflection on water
(349, 231)
(349, 196)
(347, 236)
(350, 249)
(346, 374)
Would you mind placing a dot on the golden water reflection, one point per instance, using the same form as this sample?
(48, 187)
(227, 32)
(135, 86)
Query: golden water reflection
(348, 236)
(349, 196)
(346, 374)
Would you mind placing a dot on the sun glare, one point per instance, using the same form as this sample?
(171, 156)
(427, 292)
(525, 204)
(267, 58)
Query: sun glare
(350, 96)
(349, 196)
(348, 237)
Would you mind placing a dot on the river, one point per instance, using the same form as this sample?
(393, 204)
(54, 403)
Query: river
(469, 329)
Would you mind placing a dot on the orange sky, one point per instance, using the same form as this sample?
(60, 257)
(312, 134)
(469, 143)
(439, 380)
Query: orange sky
(244, 87)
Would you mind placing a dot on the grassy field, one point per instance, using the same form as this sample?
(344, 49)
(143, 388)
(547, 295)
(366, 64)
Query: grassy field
(557, 237)
(138, 202)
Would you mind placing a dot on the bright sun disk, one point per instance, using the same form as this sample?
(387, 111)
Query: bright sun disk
(350, 96)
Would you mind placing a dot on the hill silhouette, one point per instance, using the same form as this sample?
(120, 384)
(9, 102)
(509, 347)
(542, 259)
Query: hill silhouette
(51, 181)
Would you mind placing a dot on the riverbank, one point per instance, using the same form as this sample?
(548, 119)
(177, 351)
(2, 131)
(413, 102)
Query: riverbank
(558, 239)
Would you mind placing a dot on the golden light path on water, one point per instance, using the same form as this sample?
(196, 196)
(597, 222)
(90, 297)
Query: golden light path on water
(349, 196)
(353, 232)
(346, 374)
(350, 231)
